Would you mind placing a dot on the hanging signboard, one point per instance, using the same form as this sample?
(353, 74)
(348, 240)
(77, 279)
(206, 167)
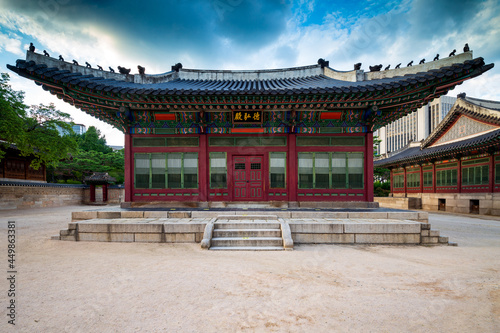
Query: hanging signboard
(247, 117)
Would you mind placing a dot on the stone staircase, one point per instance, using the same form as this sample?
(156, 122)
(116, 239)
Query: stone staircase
(432, 237)
(247, 236)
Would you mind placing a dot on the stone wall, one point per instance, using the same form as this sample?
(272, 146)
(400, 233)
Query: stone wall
(399, 202)
(47, 195)
(489, 203)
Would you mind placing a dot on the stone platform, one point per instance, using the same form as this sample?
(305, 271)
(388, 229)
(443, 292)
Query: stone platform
(306, 227)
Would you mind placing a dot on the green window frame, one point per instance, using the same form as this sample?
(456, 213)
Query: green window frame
(247, 141)
(277, 170)
(166, 170)
(398, 181)
(446, 177)
(331, 170)
(428, 179)
(218, 170)
(339, 141)
(413, 179)
(169, 141)
(476, 175)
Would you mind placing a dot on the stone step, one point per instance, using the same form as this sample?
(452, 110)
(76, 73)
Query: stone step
(443, 240)
(67, 232)
(252, 217)
(434, 233)
(247, 248)
(219, 233)
(246, 241)
(246, 225)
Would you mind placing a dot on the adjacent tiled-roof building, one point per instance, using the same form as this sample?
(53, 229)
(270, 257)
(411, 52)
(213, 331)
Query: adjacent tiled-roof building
(458, 166)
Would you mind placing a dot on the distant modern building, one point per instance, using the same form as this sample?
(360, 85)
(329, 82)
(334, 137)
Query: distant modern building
(77, 128)
(414, 127)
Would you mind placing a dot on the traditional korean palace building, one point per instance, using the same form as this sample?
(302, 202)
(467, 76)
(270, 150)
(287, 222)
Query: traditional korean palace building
(457, 168)
(287, 135)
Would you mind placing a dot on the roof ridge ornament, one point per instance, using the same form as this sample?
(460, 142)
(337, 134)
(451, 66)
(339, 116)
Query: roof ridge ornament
(177, 67)
(123, 70)
(323, 63)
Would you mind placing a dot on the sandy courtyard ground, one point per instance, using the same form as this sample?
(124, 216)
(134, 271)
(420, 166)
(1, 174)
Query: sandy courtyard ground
(119, 287)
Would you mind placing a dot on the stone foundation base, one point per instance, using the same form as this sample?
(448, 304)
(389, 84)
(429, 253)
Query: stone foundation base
(307, 227)
(463, 203)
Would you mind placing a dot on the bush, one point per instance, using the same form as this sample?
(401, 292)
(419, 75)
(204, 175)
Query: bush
(381, 189)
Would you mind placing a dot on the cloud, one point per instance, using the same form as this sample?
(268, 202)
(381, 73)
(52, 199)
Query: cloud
(150, 31)
(11, 43)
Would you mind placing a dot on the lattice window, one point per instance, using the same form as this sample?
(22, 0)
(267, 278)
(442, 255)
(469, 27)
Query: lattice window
(277, 170)
(166, 170)
(218, 170)
(331, 170)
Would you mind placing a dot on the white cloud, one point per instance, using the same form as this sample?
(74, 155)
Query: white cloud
(11, 44)
(82, 43)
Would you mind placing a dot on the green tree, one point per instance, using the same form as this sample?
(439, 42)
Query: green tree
(92, 156)
(32, 130)
(93, 140)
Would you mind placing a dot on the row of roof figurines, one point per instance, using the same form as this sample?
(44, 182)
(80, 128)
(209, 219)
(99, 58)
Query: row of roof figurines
(321, 61)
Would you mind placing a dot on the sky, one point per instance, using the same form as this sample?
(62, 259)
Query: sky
(246, 34)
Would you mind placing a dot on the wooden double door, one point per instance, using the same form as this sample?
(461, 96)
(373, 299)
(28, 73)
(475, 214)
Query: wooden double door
(248, 181)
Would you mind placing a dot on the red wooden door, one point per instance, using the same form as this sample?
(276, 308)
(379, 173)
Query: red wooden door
(247, 176)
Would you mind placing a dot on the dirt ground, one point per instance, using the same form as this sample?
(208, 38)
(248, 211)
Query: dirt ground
(119, 287)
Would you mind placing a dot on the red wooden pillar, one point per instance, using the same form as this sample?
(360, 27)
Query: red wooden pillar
(391, 180)
(292, 172)
(492, 173)
(421, 189)
(204, 166)
(434, 181)
(459, 175)
(92, 193)
(369, 167)
(404, 179)
(129, 179)
(104, 192)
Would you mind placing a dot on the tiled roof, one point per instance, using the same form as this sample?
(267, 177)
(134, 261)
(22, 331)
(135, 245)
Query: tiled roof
(301, 84)
(487, 104)
(99, 178)
(416, 154)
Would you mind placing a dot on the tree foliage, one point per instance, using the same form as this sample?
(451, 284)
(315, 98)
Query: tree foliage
(93, 141)
(93, 155)
(32, 130)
